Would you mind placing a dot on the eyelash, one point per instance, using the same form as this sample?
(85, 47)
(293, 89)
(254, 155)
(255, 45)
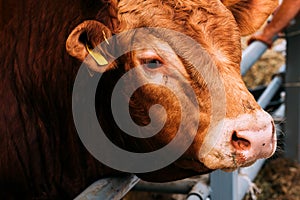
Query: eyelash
(151, 63)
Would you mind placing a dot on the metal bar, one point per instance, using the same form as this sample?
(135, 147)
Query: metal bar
(292, 128)
(272, 88)
(279, 113)
(200, 191)
(251, 54)
(109, 188)
(224, 185)
(178, 187)
(278, 116)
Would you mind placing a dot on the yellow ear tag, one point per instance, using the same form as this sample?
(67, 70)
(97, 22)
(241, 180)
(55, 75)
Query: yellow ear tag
(97, 57)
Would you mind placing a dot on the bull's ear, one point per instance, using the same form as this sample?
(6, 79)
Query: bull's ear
(82, 41)
(250, 14)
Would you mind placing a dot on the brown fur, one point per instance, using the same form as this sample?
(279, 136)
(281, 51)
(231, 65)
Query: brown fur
(41, 154)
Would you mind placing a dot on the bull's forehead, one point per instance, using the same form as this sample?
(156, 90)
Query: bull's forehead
(210, 23)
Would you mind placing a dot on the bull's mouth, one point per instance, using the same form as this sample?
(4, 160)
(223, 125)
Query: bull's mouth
(226, 161)
(231, 169)
(182, 168)
(191, 164)
(197, 166)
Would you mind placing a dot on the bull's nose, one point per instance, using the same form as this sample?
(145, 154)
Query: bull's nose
(244, 139)
(254, 143)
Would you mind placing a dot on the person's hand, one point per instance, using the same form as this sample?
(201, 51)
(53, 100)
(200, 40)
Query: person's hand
(261, 37)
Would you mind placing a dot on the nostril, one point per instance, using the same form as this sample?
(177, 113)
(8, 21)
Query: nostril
(239, 143)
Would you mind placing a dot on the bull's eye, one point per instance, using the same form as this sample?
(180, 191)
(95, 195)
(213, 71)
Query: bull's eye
(151, 63)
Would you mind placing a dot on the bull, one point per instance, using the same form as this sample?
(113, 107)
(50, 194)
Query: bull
(44, 43)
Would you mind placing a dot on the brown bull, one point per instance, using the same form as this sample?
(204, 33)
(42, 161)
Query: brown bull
(41, 154)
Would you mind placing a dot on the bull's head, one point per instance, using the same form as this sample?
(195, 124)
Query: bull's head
(231, 128)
